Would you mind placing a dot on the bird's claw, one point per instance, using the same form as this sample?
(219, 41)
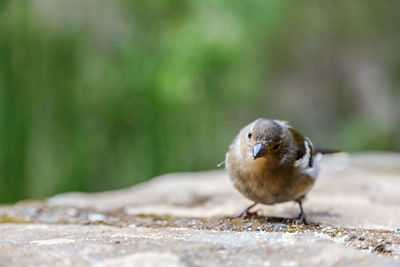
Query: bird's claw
(244, 215)
(301, 219)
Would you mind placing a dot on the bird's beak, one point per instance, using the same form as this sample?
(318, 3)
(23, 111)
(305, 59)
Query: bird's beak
(258, 150)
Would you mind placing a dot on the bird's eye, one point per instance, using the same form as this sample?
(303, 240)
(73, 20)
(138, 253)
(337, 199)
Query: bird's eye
(276, 147)
(249, 135)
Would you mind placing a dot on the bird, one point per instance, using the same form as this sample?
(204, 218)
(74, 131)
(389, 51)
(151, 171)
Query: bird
(270, 162)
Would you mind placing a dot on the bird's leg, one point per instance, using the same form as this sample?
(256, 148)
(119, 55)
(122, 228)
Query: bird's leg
(246, 212)
(302, 216)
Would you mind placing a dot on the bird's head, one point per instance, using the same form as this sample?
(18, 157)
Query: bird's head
(265, 139)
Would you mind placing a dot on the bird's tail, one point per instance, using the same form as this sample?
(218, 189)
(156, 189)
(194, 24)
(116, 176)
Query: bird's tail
(325, 150)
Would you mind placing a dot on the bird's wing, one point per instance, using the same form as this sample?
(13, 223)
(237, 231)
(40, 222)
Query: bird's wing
(306, 154)
(299, 138)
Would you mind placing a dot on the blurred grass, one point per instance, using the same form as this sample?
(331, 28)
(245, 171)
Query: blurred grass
(97, 95)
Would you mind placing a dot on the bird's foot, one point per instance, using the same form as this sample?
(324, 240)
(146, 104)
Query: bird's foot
(245, 214)
(301, 219)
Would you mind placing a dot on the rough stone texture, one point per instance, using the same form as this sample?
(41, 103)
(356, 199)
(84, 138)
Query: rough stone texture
(181, 220)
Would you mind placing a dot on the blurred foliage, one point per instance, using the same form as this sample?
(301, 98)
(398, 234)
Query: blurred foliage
(97, 95)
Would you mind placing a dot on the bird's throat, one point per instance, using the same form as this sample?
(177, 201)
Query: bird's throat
(259, 165)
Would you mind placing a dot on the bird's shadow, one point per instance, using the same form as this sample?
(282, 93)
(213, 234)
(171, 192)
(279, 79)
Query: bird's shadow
(275, 219)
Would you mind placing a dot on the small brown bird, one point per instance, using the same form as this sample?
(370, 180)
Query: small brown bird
(270, 162)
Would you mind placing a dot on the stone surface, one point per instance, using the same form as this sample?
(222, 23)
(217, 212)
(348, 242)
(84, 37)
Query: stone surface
(182, 220)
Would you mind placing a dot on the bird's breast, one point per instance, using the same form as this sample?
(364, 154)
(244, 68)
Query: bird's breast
(265, 185)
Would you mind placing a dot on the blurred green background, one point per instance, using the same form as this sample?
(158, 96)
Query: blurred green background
(97, 95)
